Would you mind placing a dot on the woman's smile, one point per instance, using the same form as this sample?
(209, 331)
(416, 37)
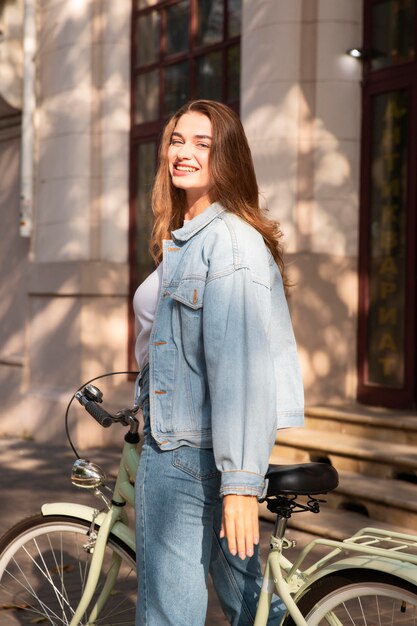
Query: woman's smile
(188, 158)
(181, 169)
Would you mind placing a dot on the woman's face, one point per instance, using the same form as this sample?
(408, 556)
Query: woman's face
(188, 157)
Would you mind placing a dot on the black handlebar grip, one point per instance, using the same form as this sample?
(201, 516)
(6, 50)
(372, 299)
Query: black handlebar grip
(99, 414)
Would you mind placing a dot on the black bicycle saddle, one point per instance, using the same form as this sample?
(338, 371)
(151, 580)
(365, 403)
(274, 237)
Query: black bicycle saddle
(304, 479)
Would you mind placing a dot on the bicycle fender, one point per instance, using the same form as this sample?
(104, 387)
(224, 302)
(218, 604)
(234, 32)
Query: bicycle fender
(88, 513)
(394, 567)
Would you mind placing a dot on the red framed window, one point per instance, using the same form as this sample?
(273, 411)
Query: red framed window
(181, 50)
(387, 260)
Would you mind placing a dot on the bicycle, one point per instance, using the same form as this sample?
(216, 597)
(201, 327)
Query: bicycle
(75, 565)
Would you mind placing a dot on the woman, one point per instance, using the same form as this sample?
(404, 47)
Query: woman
(219, 373)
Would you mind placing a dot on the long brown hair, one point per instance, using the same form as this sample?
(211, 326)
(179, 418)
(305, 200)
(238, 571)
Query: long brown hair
(234, 181)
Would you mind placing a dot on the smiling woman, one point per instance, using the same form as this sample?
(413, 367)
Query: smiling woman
(188, 156)
(219, 374)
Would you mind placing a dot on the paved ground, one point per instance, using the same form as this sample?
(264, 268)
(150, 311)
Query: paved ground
(32, 473)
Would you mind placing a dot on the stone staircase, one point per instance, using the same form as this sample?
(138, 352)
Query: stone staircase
(375, 453)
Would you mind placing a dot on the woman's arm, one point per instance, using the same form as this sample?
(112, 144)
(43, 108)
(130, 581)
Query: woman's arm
(240, 373)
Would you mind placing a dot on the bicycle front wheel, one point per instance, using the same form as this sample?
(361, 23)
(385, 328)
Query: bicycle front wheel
(359, 598)
(44, 564)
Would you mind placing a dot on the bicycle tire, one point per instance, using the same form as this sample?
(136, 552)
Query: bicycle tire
(43, 567)
(359, 597)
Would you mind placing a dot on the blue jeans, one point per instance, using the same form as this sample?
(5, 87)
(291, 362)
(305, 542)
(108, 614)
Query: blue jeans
(178, 517)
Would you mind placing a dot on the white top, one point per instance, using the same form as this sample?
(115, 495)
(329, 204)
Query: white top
(145, 302)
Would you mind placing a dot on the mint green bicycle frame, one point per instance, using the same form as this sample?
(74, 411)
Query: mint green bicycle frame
(289, 582)
(113, 521)
(286, 579)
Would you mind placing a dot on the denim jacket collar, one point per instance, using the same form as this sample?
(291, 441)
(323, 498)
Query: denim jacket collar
(199, 222)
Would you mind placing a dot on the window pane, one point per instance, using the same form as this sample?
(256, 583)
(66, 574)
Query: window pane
(175, 87)
(147, 39)
(233, 74)
(146, 155)
(234, 17)
(393, 28)
(210, 18)
(147, 97)
(388, 240)
(209, 77)
(177, 27)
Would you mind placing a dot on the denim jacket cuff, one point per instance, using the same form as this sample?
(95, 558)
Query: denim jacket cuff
(242, 483)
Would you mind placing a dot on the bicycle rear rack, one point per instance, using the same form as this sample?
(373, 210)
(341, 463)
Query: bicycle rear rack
(385, 540)
(371, 542)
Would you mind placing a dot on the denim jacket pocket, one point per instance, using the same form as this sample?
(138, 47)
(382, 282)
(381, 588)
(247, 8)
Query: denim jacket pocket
(188, 321)
(190, 292)
(197, 462)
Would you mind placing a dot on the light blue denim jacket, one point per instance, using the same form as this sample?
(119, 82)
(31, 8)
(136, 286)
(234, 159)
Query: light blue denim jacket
(223, 365)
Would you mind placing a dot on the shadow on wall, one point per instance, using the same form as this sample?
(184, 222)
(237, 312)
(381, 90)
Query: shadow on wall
(13, 258)
(83, 134)
(323, 308)
(304, 172)
(324, 261)
(51, 338)
(309, 181)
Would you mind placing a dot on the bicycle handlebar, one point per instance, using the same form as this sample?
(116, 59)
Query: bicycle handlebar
(100, 415)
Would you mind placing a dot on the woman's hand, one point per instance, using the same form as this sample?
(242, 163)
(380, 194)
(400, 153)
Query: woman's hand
(240, 524)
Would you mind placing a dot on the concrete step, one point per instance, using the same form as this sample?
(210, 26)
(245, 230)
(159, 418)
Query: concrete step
(391, 418)
(387, 492)
(375, 452)
(371, 422)
(392, 455)
(385, 500)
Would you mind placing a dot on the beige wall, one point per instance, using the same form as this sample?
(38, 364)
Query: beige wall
(79, 277)
(301, 111)
(13, 277)
(73, 295)
(64, 292)
(83, 131)
(14, 251)
(11, 52)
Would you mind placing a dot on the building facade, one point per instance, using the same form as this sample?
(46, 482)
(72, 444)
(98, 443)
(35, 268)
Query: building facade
(333, 145)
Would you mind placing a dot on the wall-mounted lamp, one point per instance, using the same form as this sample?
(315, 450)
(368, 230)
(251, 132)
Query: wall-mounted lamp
(358, 53)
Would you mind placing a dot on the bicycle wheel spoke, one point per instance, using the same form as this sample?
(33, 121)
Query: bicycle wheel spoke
(32, 591)
(378, 612)
(363, 614)
(82, 565)
(47, 576)
(360, 597)
(391, 612)
(33, 594)
(61, 573)
(44, 571)
(348, 614)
